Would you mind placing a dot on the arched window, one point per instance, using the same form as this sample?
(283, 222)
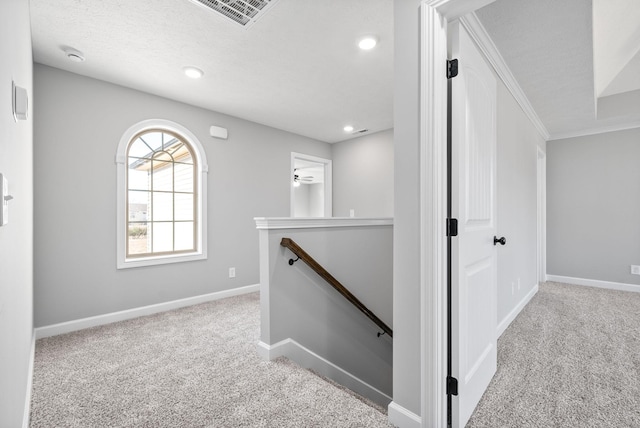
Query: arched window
(161, 188)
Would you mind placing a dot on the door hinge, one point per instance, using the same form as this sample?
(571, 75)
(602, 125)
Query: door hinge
(452, 227)
(452, 68)
(452, 385)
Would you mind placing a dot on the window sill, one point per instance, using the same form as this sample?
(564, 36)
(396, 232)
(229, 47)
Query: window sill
(160, 260)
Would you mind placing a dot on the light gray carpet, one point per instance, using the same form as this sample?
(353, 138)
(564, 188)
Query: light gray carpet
(192, 367)
(570, 359)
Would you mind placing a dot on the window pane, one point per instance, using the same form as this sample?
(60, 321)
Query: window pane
(162, 207)
(136, 197)
(170, 141)
(152, 139)
(163, 156)
(174, 148)
(139, 149)
(163, 176)
(138, 211)
(162, 237)
(137, 239)
(183, 178)
(138, 176)
(184, 236)
(183, 206)
(183, 155)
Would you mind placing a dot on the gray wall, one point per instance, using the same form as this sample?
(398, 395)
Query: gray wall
(593, 206)
(363, 176)
(517, 154)
(406, 236)
(80, 123)
(16, 238)
(302, 306)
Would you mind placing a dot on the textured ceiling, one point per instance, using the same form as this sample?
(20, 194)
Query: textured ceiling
(616, 46)
(298, 68)
(547, 45)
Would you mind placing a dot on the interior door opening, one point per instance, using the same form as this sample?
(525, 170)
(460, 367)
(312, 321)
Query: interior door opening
(542, 216)
(311, 186)
(473, 296)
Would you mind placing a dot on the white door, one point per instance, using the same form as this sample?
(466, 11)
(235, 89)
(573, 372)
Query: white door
(474, 288)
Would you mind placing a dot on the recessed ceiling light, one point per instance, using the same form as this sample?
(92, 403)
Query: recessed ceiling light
(74, 54)
(367, 43)
(348, 128)
(193, 72)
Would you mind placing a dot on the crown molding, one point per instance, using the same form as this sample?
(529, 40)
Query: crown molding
(594, 131)
(478, 33)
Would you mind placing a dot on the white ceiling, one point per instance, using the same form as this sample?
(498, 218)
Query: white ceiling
(548, 46)
(616, 46)
(298, 68)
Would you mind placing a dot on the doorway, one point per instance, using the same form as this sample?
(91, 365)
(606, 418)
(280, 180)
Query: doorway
(311, 186)
(542, 216)
(473, 250)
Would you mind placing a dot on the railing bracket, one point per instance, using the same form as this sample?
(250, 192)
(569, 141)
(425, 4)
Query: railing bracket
(381, 333)
(291, 261)
(317, 268)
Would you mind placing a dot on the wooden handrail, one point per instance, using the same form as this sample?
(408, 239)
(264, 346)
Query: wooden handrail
(317, 268)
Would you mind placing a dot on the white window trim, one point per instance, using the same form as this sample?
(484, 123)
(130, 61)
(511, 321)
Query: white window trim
(121, 192)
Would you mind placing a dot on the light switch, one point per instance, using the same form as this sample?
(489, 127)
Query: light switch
(5, 197)
(20, 102)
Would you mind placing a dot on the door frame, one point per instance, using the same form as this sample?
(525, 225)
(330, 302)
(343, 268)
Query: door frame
(542, 215)
(434, 15)
(328, 181)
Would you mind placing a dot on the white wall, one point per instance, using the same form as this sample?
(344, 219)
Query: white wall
(406, 231)
(593, 207)
(316, 199)
(16, 238)
(363, 176)
(518, 143)
(309, 200)
(301, 201)
(80, 123)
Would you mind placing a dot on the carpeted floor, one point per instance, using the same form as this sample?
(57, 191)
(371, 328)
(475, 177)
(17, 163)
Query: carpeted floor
(570, 359)
(192, 367)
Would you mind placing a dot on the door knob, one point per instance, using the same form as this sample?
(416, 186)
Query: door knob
(501, 241)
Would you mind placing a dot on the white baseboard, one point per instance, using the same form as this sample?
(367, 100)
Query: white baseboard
(27, 403)
(310, 360)
(403, 418)
(595, 283)
(69, 326)
(502, 325)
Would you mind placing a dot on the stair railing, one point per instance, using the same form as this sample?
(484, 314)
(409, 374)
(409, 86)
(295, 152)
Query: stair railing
(317, 268)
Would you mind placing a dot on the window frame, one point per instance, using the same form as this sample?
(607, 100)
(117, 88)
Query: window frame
(200, 185)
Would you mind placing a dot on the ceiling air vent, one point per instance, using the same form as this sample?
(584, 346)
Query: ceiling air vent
(360, 131)
(243, 12)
